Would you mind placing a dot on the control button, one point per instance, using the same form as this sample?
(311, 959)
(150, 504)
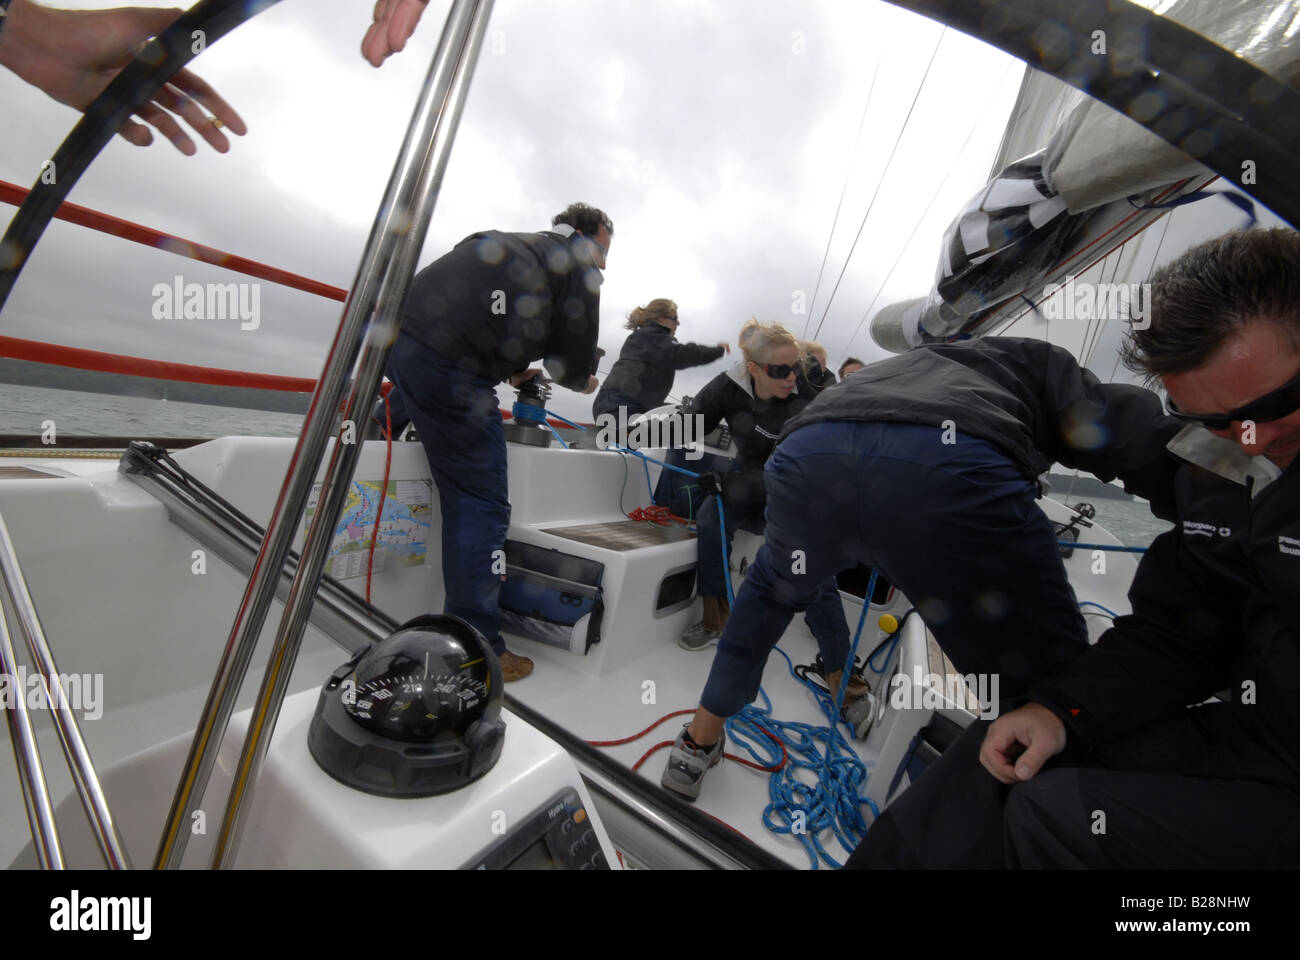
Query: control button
(580, 815)
(598, 860)
(567, 827)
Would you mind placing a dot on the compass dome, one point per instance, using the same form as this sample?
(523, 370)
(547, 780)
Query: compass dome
(416, 714)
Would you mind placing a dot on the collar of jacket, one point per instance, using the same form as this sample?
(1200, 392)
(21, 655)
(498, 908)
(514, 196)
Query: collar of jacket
(1223, 457)
(584, 248)
(740, 376)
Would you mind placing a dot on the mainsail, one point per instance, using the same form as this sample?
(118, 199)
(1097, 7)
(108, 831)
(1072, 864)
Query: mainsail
(1073, 187)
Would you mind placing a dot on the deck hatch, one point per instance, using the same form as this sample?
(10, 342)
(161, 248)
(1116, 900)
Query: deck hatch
(621, 535)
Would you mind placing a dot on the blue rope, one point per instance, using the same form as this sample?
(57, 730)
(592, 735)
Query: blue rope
(832, 802)
(1089, 603)
(726, 563)
(853, 650)
(1100, 546)
(555, 433)
(638, 453)
(889, 652)
(567, 423)
(527, 412)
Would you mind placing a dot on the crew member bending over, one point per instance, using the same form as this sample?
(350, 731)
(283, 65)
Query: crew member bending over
(924, 465)
(756, 397)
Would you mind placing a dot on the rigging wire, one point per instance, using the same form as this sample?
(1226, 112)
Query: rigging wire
(881, 181)
(907, 243)
(844, 189)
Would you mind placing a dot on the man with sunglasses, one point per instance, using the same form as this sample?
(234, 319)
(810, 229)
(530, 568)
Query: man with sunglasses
(1123, 760)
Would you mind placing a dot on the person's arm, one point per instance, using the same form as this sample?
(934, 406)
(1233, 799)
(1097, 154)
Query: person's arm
(708, 403)
(74, 54)
(1111, 430)
(395, 21)
(1175, 649)
(575, 330)
(697, 354)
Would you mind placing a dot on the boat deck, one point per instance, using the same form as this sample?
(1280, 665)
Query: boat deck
(115, 585)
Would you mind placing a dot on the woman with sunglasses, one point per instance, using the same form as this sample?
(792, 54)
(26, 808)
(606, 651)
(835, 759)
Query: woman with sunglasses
(643, 374)
(756, 397)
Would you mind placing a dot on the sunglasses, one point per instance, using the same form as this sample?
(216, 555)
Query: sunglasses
(778, 371)
(1282, 402)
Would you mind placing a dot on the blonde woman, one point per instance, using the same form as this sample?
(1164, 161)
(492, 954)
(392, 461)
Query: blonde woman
(643, 374)
(756, 397)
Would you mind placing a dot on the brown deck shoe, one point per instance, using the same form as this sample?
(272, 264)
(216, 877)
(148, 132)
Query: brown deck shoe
(514, 667)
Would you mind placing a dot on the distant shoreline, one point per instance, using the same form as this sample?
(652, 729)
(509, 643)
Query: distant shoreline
(1084, 486)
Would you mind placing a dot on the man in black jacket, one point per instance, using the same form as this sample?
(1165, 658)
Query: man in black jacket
(1119, 761)
(473, 318)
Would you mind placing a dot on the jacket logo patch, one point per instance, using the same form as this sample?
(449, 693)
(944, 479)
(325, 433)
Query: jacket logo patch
(1193, 529)
(1288, 545)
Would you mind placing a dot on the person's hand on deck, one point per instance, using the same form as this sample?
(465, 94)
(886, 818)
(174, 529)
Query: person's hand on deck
(1033, 729)
(395, 21)
(74, 54)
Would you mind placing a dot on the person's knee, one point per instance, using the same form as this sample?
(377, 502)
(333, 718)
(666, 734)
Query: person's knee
(1045, 823)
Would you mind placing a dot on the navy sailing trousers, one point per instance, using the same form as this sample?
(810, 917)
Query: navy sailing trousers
(1142, 801)
(743, 506)
(459, 423)
(953, 525)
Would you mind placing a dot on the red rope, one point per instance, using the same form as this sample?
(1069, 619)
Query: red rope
(660, 516)
(638, 736)
(668, 743)
(383, 490)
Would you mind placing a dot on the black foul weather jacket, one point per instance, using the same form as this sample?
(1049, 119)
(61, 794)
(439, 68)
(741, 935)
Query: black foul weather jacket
(1027, 397)
(499, 301)
(755, 425)
(650, 357)
(1216, 605)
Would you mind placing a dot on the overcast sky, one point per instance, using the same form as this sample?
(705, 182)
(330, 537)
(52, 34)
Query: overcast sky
(717, 135)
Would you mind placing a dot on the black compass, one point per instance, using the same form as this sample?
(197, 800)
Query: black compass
(415, 715)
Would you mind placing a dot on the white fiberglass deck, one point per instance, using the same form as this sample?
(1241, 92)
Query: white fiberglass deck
(114, 583)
